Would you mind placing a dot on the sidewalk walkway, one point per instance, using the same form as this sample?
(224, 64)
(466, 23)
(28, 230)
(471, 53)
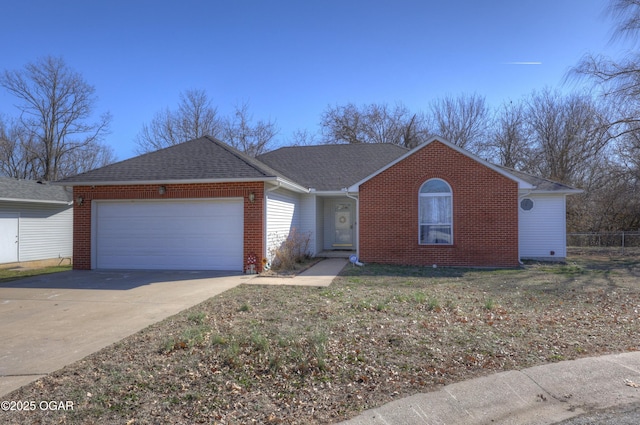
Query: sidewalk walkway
(544, 394)
(320, 274)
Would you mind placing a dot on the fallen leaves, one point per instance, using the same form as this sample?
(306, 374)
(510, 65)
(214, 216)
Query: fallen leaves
(300, 355)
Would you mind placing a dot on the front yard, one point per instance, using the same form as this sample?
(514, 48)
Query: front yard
(274, 354)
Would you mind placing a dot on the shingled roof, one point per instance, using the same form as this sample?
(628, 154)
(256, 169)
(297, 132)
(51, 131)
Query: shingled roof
(540, 184)
(331, 167)
(32, 191)
(203, 159)
(321, 167)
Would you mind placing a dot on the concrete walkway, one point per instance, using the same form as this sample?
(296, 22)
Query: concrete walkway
(320, 274)
(539, 395)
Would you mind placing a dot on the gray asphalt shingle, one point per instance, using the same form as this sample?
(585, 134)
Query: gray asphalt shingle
(321, 167)
(331, 167)
(200, 159)
(540, 183)
(31, 190)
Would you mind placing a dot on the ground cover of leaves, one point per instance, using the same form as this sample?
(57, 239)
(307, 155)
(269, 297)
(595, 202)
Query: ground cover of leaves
(306, 355)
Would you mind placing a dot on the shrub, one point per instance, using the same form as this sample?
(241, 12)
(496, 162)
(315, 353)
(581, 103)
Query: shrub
(289, 251)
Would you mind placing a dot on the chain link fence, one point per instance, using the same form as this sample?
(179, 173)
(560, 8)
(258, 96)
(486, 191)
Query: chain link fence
(605, 242)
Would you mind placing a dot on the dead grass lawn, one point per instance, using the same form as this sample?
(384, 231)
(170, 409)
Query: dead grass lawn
(297, 355)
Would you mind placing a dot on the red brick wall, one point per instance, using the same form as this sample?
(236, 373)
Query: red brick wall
(485, 212)
(253, 212)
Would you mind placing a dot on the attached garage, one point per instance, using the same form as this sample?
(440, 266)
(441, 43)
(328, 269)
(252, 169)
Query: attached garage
(199, 234)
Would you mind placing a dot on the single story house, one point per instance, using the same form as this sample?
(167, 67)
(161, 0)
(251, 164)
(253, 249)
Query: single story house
(36, 221)
(204, 205)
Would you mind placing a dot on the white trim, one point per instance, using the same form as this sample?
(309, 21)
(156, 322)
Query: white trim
(357, 220)
(558, 192)
(291, 185)
(434, 194)
(521, 183)
(139, 182)
(36, 201)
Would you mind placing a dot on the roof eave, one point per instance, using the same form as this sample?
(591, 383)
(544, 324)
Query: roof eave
(36, 201)
(556, 192)
(174, 181)
(288, 184)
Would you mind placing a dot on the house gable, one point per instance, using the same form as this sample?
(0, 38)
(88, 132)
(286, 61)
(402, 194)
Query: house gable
(485, 214)
(523, 184)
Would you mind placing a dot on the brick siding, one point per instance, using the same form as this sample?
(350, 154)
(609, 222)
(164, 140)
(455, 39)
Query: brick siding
(253, 212)
(485, 212)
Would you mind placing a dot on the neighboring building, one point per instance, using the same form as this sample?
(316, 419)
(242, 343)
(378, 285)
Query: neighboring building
(36, 221)
(204, 205)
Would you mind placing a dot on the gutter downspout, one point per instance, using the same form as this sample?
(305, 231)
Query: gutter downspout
(346, 192)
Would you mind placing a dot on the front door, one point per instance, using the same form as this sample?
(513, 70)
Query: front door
(343, 225)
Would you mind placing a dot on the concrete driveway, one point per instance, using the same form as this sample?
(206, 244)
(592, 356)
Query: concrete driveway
(49, 321)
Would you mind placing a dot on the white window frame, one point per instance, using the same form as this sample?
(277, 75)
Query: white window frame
(430, 195)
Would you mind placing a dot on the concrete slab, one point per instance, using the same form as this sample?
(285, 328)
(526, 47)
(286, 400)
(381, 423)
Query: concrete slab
(52, 320)
(320, 274)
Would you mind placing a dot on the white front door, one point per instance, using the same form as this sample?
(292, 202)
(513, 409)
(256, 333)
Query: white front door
(8, 238)
(343, 225)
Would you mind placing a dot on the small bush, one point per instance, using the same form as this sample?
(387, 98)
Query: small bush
(292, 250)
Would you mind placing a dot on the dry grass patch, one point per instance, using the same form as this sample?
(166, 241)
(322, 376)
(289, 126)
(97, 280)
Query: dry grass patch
(298, 355)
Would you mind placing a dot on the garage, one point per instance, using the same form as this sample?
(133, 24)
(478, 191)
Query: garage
(168, 234)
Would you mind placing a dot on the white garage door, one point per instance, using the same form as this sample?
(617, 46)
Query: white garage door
(169, 235)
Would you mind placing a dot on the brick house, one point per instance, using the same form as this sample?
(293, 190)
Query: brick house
(205, 205)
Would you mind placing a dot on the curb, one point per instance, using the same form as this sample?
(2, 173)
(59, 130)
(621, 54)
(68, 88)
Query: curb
(539, 395)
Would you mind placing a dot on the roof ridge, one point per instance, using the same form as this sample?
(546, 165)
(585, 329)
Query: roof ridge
(253, 162)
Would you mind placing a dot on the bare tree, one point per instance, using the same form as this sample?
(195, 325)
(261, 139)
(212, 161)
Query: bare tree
(509, 137)
(343, 124)
(618, 79)
(462, 120)
(56, 105)
(194, 117)
(16, 151)
(569, 132)
(302, 137)
(611, 195)
(242, 133)
(373, 123)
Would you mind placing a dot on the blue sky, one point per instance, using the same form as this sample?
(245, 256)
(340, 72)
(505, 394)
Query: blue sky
(290, 59)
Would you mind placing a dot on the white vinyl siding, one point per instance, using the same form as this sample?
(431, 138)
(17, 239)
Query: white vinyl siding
(45, 230)
(283, 214)
(319, 213)
(542, 229)
(308, 220)
(168, 235)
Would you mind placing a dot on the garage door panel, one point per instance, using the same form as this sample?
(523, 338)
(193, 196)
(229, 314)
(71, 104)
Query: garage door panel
(188, 235)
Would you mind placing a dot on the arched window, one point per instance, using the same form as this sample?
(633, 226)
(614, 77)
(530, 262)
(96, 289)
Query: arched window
(436, 213)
